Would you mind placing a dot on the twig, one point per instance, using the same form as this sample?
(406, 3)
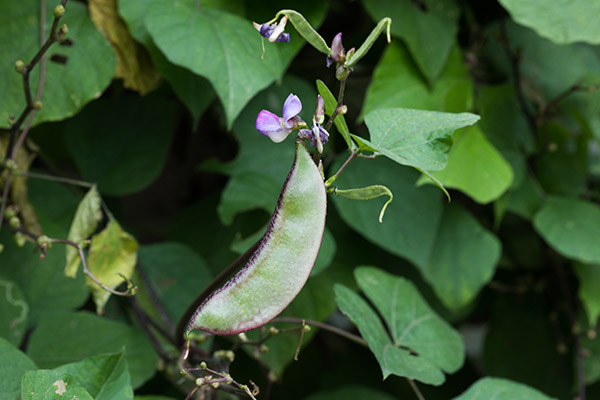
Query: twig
(339, 105)
(578, 87)
(415, 389)
(322, 325)
(224, 378)
(53, 178)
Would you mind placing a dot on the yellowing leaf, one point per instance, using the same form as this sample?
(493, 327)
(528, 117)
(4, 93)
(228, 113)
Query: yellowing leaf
(18, 190)
(84, 223)
(112, 256)
(134, 64)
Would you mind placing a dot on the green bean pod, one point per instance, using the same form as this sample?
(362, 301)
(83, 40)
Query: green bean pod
(279, 268)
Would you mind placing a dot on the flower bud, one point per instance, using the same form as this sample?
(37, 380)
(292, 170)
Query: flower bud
(203, 365)
(44, 241)
(62, 32)
(337, 49)
(11, 211)
(37, 105)
(59, 11)
(279, 30)
(11, 164)
(19, 239)
(263, 348)
(341, 72)
(20, 66)
(14, 222)
(320, 111)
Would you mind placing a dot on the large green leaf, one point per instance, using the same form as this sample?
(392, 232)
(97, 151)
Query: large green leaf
(51, 292)
(13, 312)
(223, 48)
(463, 258)
(126, 157)
(562, 21)
(429, 31)
(112, 258)
(177, 274)
(68, 87)
(397, 83)
(105, 377)
(589, 287)
(571, 227)
(86, 220)
(421, 139)
(475, 167)
(71, 337)
(13, 365)
(421, 346)
(55, 205)
(501, 389)
(44, 384)
(246, 191)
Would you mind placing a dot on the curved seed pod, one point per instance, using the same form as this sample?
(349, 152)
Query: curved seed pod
(280, 266)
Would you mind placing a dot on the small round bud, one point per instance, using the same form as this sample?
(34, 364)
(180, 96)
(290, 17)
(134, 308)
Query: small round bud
(273, 331)
(37, 105)
(228, 379)
(243, 337)
(343, 109)
(14, 222)
(1, 248)
(43, 240)
(591, 334)
(59, 11)
(62, 32)
(263, 348)
(11, 164)
(20, 66)
(10, 212)
(199, 381)
(19, 239)
(183, 372)
(203, 365)
(307, 328)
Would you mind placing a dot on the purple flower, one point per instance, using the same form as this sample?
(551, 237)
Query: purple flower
(274, 32)
(278, 128)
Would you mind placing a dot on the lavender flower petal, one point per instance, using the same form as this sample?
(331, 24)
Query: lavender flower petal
(267, 122)
(291, 108)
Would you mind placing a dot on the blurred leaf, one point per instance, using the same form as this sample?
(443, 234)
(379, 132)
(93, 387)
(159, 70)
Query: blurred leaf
(13, 312)
(525, 199)
(421, 344)
(351, 392)
(177, 274)
(571, 227)
(463, 258)
(565, 21)
(500, 389)
(55, 205)
(71, 337)
(112, 257)
(429, 33)
(398, 83)
(421, 139)
(51, 292)
(13, 365)
(589, 287)
(133, 62)
(232, 63)
(126, 157)
(411, 222)
(19, 195)
(89, 69)
(105, 377)
(246, 191)
(475, 167)
(86, 220)
(51, 385)
(592, 361)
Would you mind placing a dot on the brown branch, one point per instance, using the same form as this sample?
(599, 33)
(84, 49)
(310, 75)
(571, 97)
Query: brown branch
(324, 326)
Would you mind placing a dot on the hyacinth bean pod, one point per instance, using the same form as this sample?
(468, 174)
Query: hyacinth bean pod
(279, 268)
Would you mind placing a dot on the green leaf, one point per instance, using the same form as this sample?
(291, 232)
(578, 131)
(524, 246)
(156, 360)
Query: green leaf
(13, 312)
(86, 220)
(126, 157)
(367, 193)
(52, 385)
(105, 377)
(571, 227)
(563, 21)
(152, 397)
(398, 83)
(247, 191)
(500, 389)
(68, 87)
(411, 223)
(525, 199)
(177, 274)
(592, 360)
(51, 292)
(475, 167)
(421, 139)
(71, 337)
(231, 63)
(412, 323)
(463, 258)
(112, 258)
(589, 287)
(13, 365)
(330, 106)
(351, 392)
(55, 205)
(429, 34)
